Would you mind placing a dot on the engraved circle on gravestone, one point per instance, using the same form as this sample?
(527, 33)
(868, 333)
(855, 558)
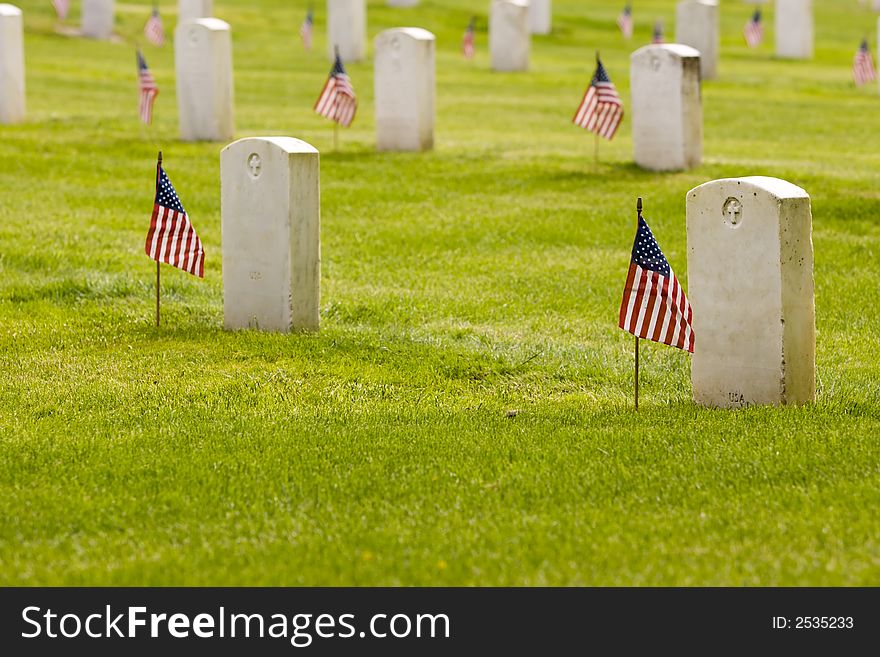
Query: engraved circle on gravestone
(732, 212)
(655, 62)
(255, 165)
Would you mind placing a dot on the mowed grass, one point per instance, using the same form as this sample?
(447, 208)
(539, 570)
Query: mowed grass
(457, 285)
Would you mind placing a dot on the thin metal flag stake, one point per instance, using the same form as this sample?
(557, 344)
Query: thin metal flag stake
(636, 377)
(336, 118)
(158, 176)
(596, 142)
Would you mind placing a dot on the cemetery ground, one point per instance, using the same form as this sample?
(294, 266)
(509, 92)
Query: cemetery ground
(458, 285)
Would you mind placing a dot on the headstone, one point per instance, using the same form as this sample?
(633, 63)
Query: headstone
(697, 25)
(750, 284)
(347, 29)
(875, 5)
(404, 85)
(203, 62)
(794, 29)
(270, 206)
(667, 114)
(540, 16)
(509, 39)
(188, 10)
(11, 65)
(402, 3)
(97, 19)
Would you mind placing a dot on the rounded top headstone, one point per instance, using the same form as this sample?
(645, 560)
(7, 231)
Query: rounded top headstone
(9, 10)
(212, 24)
(518, 3)
(677, 50)
(775, 187)
(286, 144)
(416, 33)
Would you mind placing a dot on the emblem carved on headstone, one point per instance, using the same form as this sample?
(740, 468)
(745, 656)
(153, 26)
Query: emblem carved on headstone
(255, 165)
(655, 62)
(732, 212)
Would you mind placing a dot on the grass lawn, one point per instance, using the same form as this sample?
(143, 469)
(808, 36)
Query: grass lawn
(457, 285)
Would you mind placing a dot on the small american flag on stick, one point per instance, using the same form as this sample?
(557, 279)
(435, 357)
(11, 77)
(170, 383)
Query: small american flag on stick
(172, 238)
(601, 109)
(61, 8)
(153, 28)
(305, 30)
(625, 22)
(657, 36)
(654, 306)
(754, 30)
(337, 101)
(863, 65)
(148, 90)
(467, 43)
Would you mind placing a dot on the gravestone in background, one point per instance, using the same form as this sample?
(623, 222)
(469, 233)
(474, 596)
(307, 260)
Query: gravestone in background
(697, 25)
(270, 213)
(97, 19)
(540, 16)
(402, 3)
(404, 86)
(347, 29)
(750, 284)
(203, 62)
(794, 29)
(12, 105)
(191, 9)
(509, 39)
(667, 114)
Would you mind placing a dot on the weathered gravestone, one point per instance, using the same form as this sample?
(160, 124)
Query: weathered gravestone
(270, 213)
(404, 85)
(12, 104)
(697, 25)
(750, 284)
(402, 3)
(540, 16)
(203, 62)
(97, 19)
(794, 29)
(667, 114)
(509, 39)
(188, 10)
(347, 29)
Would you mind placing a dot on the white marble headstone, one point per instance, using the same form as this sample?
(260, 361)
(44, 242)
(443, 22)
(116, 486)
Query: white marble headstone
(347, 29)
(402, 3)
(404, 86)
(12, 105)
(540, 16)
(192, 9)
(667, 113)
(270, 214)
(203, 62)
(794, 29)
(697, 25)
(97, 19)
(509, 36)
(750, 284)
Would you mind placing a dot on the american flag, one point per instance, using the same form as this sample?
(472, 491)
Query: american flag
(148, 90)
(601, 110)
(657, 36)
(754, 31)
(654, 306)
(337, 100)
(305, 30)
(467, 43)
(61, 8)
(863, 65)
(153, 28)
(171, 238)
(625, 22)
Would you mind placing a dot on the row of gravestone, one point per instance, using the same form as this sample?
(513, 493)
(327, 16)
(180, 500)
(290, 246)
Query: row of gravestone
(750, 269)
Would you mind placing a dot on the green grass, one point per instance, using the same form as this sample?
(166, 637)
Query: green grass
(459, 284)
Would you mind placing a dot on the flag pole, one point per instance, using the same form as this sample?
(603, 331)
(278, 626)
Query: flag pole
(335, 119)
(158, 176)
(636, 377)
(596, 143)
